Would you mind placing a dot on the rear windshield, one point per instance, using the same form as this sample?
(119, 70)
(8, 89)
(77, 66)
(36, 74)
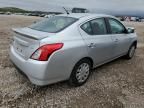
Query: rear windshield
(53, 24)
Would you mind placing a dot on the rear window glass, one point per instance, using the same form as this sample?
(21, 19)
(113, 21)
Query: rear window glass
(87, 28)
(53, 24)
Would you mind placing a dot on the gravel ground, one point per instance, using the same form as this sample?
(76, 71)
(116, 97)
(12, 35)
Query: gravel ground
(119, 84)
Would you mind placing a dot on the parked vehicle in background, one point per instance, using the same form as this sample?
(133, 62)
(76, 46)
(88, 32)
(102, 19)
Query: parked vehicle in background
(2, 13)
(133, 18)
(138, 19)
(122, 18)
(42, 15)
(142, 20)
(8, 13)
(80, 10)
(67, 47)
(49, 16)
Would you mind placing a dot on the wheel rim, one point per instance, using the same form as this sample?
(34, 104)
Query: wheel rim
(82, 72)
(132, 51)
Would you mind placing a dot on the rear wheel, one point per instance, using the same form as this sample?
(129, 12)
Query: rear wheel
(131, 52)
(80, 73)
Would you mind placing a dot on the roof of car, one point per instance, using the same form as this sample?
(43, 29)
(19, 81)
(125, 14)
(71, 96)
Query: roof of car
(81, 15)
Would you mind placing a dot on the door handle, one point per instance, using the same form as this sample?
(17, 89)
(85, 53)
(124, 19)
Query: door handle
(91, 45)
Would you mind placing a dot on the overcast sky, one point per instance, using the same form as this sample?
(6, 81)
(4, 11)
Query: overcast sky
(94, 5)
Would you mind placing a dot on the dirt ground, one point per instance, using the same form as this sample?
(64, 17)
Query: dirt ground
(119, 84)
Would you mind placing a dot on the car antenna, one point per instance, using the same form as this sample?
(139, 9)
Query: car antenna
(66, 11)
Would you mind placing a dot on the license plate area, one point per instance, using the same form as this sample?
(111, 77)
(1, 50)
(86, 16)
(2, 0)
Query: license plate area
(19, 48)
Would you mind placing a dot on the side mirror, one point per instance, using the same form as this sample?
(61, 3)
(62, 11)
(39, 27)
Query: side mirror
(130, 30)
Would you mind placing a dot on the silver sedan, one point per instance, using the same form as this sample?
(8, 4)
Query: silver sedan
(67, 47)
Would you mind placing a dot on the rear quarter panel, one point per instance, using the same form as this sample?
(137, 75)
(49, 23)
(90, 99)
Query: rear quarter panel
(61, 63)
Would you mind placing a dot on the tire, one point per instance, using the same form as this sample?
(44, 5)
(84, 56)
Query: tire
(131, 52)
(80, 73)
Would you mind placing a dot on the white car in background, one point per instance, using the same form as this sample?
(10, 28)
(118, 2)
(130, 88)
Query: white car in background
(49, 16)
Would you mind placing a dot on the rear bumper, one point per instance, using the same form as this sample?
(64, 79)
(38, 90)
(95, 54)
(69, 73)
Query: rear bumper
(34, 70)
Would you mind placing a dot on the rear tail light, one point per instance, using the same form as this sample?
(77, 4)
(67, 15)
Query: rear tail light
(43, 53)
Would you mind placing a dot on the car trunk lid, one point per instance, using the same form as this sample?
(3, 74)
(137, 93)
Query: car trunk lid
(27, 40)
(31, 33)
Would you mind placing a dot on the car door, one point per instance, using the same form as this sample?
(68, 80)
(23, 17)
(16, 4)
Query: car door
(119, 36)
(97, 39)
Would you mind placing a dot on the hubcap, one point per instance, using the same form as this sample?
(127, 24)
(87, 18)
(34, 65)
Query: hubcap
(83, 72)
(132, 51)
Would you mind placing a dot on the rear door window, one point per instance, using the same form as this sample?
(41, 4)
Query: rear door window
(95, 27)
(87, 28)
(98, 26)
